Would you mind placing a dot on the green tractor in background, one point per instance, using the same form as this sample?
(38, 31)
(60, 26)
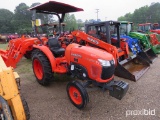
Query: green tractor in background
(150, 28)
(146, 41)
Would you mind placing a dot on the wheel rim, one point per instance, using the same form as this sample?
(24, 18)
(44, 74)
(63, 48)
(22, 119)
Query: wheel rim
(75, 95)
(38, 70)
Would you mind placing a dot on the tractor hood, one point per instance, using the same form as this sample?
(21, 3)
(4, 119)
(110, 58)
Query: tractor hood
(93, 52)
(57, 7)
(86, 52)
(156, 31)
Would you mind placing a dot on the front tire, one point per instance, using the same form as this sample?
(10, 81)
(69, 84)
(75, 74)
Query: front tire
(42, 68)
(77, 94)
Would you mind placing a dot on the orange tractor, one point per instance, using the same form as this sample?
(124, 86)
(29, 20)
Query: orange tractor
(149, 27)
(99, 35)
(92, 65)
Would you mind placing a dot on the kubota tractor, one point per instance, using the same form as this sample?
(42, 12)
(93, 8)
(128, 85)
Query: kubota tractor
(99, 35)
(92, 65)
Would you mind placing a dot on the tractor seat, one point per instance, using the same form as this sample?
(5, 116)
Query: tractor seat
(55, 47)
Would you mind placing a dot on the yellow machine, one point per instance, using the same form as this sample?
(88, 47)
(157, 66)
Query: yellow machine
(12, 105)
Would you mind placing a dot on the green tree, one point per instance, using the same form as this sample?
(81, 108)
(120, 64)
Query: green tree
(35, 4)
(154, 13)
(80, 23)
(22, 19)
(71, 23)
(140, 15)
(144, 14)
(126, 17)
(122, 18)
(5, 21)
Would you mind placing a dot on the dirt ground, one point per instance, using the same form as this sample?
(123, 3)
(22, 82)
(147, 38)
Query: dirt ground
(52, 103)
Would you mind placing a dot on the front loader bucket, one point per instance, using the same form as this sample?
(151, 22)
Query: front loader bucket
(133, 68)
(151, 54)
(148, 55)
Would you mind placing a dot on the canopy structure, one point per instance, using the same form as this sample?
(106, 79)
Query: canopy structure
(56, 7)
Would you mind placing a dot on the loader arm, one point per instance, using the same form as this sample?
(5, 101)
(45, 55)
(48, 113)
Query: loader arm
(88, 39)
(17, 48)
(126, 68)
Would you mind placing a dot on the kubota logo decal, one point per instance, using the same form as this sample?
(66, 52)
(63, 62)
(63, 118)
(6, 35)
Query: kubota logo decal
(76, 55)
(92, 40)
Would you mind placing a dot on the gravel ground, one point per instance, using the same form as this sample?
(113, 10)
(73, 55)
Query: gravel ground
(52, 103)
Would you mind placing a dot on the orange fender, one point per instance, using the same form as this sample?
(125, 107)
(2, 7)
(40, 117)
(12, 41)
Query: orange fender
(48, 53)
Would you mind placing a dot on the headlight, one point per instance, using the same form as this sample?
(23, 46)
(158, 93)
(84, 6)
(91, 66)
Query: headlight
(104, 62)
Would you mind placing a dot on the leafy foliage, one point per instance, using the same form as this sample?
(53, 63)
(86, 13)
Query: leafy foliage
(144, 14)
(5, 21)
(20, 21)
(71, 23)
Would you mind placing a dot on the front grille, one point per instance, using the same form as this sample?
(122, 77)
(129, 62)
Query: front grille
(107, 72)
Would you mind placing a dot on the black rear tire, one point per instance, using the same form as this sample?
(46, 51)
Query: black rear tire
(26, 108)
(77, 94)
(27, 55)
(46, 74)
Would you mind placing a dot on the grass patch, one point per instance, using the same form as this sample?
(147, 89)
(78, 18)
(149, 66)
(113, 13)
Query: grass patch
(3, 46)
(24, 66)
